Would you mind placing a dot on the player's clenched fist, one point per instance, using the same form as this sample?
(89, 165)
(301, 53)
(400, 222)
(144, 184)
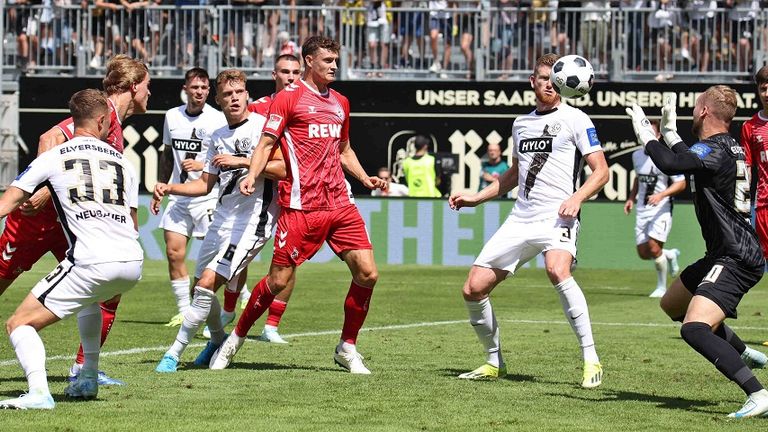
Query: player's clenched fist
(457, 201)
(161, 190)
(246, 186)
(374, 182)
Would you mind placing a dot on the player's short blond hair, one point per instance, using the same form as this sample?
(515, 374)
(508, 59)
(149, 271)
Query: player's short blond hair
(721, 100)
(229, 75)
(761, 76)
(123, 72)
(87, 105)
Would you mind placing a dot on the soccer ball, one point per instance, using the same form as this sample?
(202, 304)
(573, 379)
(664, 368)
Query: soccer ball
(572, 76)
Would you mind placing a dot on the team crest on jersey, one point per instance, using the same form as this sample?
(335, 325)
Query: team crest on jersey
(553, 129)
(243, 145)
(311, 109)
(274, 122)
(340, 113)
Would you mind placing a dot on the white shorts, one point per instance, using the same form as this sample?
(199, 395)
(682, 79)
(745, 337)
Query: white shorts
(515, 243)
(228, 252)
(654, 226)
(380, 33)
(188, 220)
(69, 287)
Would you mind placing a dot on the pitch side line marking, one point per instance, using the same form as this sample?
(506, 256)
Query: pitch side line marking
(161, 348)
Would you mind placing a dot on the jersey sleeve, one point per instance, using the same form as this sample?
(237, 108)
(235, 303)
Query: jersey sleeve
(676, 178)
(345, 126)
(279, 113)
(515, 143)
(585, 134)
(132, 191)
(747, 143)
(166, 132)
(710, 156)
(67, 127)
(207, 165)
(36, 173)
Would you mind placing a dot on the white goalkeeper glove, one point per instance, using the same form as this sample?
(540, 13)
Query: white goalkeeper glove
(643, 129)
(669, 121)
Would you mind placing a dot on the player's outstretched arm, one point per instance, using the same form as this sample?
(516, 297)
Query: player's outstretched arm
(351, 165)
(599, 177)
(671, 190)
(166, 164)
(11, 199)
(675, 160)
(48, 140)
(632, 197)
(500, 186)
(258, 163)
(202, 186)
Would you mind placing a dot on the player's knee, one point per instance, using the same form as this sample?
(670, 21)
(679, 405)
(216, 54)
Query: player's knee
(693, 333)
(474, 291)
(175, 254)
(367, 277)
(558, 274)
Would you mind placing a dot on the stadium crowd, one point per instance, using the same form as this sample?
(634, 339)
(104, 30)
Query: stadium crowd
(440, 39)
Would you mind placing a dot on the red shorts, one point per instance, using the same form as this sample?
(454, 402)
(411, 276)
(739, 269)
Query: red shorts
(761, 226)
(300, 234)
(26, 239)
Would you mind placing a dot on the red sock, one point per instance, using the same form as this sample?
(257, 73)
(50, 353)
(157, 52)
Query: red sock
(355, 311)
(107, 319)
(230, 300)
(259, 302)
(276, 311)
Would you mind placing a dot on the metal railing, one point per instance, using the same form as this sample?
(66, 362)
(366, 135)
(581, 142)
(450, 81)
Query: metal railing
(476, 40)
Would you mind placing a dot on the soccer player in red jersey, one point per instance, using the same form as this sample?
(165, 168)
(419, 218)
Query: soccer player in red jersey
(754, 139)
(33, 230)
(311, 122)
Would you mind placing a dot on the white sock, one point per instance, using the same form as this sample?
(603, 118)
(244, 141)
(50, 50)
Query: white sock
(575, 308)
(214, 322)
(244, 293)
(346, 347)
(31, 354)
(197, 312)
(180, 289)
(483, 320)
(232, 285)
(668, 254)
(661, 271)
(89, 325)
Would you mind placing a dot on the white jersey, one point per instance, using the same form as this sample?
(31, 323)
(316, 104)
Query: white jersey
(189, 136)
(93, 189)
(650, 181)
(261, 206)
(550, 147)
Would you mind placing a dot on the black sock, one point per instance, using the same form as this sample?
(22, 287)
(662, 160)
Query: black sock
(720, 353)
(726, 333)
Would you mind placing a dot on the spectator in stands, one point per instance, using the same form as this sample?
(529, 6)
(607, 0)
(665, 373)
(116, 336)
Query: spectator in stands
(356, 20)
(662, 24)
(594, 32)
(440, 23)
(696, 40)
(393, 190)
(493, 166)
(634, 29)
(411, 28)
(466, 23)
(135, 25)
(379, 32)
(24, 38)
(421, 173)
(507, 33)
(742, 16)
(286, 45)
(558, 32)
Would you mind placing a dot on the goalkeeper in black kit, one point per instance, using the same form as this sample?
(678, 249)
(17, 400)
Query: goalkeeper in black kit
(709, 290)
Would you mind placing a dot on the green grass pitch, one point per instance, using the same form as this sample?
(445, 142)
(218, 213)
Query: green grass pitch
(416, 340)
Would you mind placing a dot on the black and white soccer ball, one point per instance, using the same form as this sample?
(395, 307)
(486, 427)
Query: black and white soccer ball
(572, 76)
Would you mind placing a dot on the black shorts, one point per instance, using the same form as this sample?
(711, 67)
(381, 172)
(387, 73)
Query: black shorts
(722, 280)
(742, 30)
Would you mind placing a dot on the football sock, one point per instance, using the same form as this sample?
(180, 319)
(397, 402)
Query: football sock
(661, 271)
(180, 289)
(194, 316)
(230, 295)
(720, 353)
(576, 311)
(88, 324)
(214, 322)
(483, 320)
(724, 332)
(31, 354)
(261, 298)
(668, 254)
(276, 311)
(244, 293)
(108, 310)
(355, 311)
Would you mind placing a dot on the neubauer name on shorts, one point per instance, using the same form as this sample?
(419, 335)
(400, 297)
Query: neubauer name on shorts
(88, 214)
(84, 147)
(536, 145)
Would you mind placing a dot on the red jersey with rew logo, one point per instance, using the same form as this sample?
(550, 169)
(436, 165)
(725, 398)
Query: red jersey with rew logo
(754, 139)
(261, 105)
(310, 127)
(115, 137)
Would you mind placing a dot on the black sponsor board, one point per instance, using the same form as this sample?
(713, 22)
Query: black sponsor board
(460, 117)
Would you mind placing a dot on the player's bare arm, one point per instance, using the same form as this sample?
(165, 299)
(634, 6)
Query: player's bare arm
(632, 197)
(351, 165)
(191, 165)
(599, 177)
(48, 140)
(200, 187)
(135, 218)
(500, 186)
(11, 199)
(166, 164)
(672, 190)
(259, 160)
